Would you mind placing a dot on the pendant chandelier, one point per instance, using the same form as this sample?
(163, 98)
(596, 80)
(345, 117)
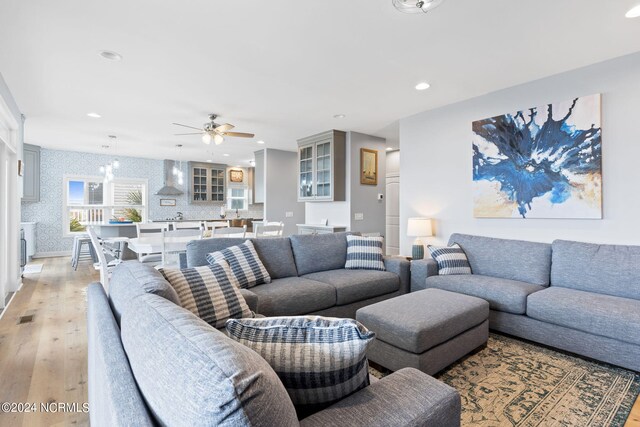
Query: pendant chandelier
(416, 6)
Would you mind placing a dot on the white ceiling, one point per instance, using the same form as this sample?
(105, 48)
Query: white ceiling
(280, 68)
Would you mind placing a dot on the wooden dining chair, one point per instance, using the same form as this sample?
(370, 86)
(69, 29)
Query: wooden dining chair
(174, 242)
(268, 230)
(152, 230)
(231, 232)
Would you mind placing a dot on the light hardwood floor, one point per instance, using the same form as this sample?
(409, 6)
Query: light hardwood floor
(46, 360)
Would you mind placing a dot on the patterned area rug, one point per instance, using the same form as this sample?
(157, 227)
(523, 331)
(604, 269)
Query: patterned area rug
(514, 383)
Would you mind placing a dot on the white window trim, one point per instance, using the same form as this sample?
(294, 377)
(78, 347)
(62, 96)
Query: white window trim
(238, 186)
(106, 195)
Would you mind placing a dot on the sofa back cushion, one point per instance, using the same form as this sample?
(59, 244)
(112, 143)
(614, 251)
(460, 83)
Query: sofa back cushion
(275, 254)
(193, 375)
(131, 279)
(319, 252)
(507, 259)
(604, 269)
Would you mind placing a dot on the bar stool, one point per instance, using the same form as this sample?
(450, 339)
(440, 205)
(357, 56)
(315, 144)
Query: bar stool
(82, 249)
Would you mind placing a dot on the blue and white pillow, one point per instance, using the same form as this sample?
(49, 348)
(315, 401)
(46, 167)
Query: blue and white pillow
(450, 259)
(365, 253)
(319, 359)
(210, 292)
(245, 264)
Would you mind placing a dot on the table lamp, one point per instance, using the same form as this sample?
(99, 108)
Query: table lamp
(419, 227)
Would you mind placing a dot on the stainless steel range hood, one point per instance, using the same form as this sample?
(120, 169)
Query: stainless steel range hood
(169, 188)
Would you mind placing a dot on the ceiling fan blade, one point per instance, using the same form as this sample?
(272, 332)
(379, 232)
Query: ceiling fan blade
(239, 134)
(185, 126)
(225, 127)
(192, 133)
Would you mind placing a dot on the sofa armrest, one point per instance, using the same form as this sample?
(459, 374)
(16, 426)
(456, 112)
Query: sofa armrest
(420, 270)
(407, 397)
(251, 299)
(401, 267)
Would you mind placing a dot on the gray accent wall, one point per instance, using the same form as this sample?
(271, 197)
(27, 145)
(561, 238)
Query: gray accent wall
(436, 161)
(281, 172)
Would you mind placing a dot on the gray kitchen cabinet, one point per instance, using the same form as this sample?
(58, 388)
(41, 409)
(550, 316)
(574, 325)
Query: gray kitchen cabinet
(207, 182)
(322, 167)
(31, 174)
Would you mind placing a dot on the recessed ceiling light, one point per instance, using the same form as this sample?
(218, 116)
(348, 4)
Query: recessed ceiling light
(634, 12)
(94, 115)
(339, 116)
(209, 161)
(226, 155)
(389, 148)
(260, 142)
(423, 86)
(110, 55)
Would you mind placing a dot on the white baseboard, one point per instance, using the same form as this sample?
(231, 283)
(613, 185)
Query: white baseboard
(51, 254)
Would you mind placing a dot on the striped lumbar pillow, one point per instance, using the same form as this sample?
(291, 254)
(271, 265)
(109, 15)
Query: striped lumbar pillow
(210, 292)
(244, 262)
(364, 253)
(450, 259)
(318, 359)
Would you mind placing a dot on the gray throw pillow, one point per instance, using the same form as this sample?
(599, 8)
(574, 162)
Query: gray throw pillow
(450, 259)
(365, 253)
(245, 264)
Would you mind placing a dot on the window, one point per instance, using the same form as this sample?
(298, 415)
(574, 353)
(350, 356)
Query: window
(90, 200)
(238, 198)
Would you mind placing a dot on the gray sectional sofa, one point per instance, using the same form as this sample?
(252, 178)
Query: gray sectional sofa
(308, 275)
(151, 362)
(579, 297)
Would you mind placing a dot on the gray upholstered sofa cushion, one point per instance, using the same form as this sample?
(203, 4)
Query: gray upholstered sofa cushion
(357, 285)
(604, 315)
(508, 259)
(275, 254)
(408, 397)
(293, 296)
(113, 393)
(502, 294)
(319, 252)
(604, 269)
(193, 375)
(131, 279)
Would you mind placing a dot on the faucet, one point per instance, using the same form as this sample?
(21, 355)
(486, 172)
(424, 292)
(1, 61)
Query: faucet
(179, 216)
(237, 214)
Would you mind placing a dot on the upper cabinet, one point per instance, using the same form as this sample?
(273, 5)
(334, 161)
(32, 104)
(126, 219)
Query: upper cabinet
(31, 174)
(207, 182)
(321, 167)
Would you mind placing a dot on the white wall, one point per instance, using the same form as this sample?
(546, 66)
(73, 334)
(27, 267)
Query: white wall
(281, 172)
(437, 155)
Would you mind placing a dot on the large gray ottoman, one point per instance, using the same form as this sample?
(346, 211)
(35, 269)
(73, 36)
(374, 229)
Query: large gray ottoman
(427, 330)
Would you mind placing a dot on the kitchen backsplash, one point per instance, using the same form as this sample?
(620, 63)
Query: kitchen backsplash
(54, 164)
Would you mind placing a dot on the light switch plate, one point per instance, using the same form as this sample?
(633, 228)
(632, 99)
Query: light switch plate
(288, 214)
(359, 216)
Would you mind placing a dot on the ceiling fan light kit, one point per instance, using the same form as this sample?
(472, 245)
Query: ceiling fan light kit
(213, 131)
(416, 6)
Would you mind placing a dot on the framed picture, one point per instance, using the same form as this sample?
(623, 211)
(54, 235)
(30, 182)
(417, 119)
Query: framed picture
(236, 175)
(368, 166)
(167, 202)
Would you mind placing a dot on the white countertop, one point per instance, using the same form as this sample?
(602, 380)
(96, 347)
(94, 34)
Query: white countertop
(327, 227)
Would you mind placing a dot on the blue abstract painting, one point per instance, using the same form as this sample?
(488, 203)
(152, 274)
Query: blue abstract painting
(545, 162)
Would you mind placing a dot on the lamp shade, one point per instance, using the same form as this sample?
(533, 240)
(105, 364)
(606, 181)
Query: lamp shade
(419, 227)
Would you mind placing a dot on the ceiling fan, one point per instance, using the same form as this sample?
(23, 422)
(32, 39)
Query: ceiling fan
(214, 131)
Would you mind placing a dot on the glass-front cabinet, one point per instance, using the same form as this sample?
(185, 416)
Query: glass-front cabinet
(321, 167)
(207, 183)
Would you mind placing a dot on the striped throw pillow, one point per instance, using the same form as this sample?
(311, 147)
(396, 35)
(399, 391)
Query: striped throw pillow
(364, 253)
(319, 359)
(450, 259)
(210, 292)
(244, 262)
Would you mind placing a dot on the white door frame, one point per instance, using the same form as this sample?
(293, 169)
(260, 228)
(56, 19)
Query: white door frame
(9, 203)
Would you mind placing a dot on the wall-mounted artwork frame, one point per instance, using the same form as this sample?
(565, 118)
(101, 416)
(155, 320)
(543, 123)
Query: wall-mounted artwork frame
(542, 162)
(167, 202)
(236, 175)
(368, 166)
